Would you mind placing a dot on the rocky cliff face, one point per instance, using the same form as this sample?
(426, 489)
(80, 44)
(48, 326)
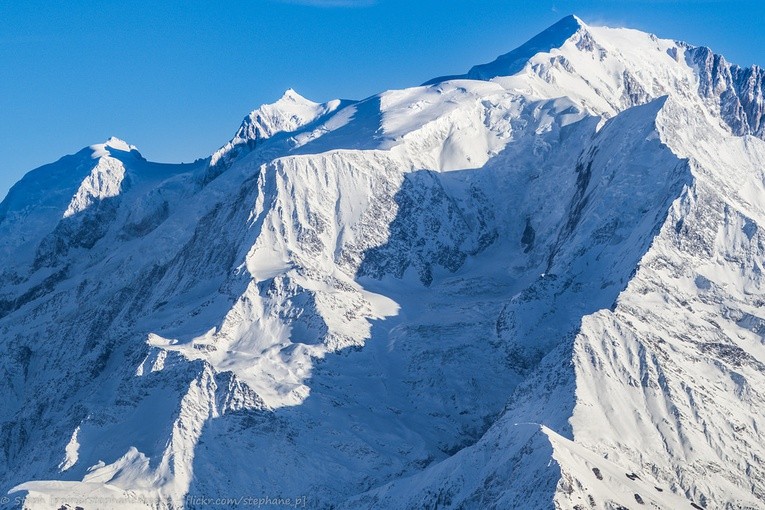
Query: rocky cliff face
(536, 285)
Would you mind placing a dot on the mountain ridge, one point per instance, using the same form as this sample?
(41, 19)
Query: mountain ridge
(381, 293)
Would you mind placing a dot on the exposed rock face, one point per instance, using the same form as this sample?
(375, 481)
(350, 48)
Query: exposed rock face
(739, 91)
(536, 285)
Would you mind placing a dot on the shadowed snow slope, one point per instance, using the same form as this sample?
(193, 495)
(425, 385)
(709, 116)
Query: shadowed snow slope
(536, 285)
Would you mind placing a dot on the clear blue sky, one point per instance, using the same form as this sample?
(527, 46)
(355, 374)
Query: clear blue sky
(175, 77)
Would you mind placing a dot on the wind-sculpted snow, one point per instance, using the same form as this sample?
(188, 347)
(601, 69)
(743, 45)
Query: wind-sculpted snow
(535, 285)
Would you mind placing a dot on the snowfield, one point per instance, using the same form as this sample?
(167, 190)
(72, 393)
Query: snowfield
(536, 285)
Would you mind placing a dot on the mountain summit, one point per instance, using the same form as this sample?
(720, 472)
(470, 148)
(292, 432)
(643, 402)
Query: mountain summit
(512, 62)
(552, 38)
(536, 285)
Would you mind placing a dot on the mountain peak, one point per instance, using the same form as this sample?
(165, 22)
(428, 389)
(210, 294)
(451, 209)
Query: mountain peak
(287, 114)
(119, 144)
(291, 96)
(114, 143)
(510, 63)
(570, 18)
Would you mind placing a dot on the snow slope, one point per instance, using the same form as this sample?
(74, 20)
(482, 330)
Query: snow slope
(535, 285)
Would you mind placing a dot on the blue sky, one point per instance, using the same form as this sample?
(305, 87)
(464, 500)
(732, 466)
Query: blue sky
(176, 77)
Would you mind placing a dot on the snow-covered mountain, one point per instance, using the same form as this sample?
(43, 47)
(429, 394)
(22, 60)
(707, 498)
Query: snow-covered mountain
(534, 285)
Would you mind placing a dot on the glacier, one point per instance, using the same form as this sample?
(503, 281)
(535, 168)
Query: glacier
(534, 285)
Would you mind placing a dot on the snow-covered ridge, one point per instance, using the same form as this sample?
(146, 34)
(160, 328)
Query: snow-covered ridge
(609, 69)
(535, 285)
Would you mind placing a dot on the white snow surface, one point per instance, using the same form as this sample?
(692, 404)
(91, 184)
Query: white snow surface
(533, 286)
